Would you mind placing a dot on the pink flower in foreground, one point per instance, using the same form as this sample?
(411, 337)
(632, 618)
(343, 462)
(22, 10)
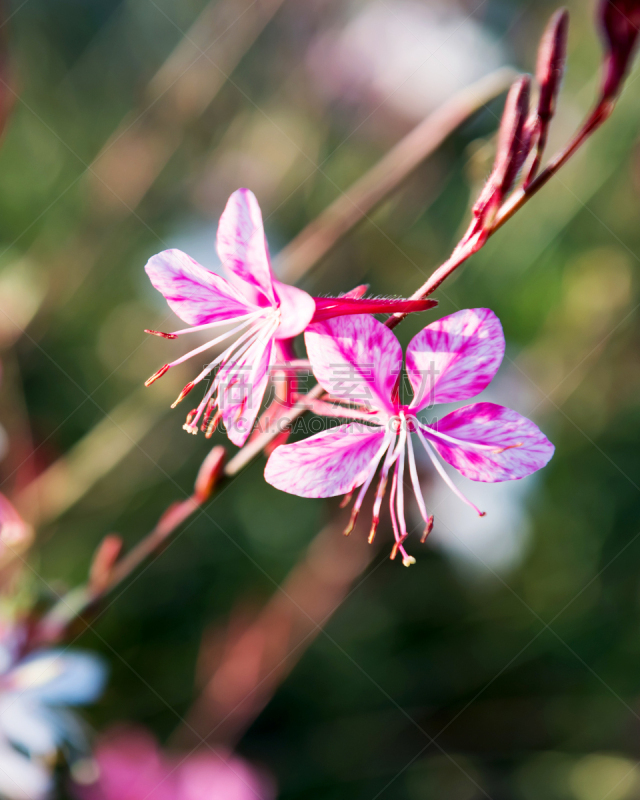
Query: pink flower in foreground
(261, 310)
(130, 766)
(453, 359)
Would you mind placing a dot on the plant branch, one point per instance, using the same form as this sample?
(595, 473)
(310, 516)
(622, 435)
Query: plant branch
(515, 202)
(251, 660)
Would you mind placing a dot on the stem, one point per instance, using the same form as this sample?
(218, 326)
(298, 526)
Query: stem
(599, 114)
(274, 640)
(78, 601)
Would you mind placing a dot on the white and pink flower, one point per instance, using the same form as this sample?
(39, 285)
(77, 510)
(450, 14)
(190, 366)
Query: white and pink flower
(263, 313)
(358, 361)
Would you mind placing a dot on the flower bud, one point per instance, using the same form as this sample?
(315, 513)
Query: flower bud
(620, 23)
(552, 53)
(209, 473)
(550, 66)
(512, 150)
(512, 139)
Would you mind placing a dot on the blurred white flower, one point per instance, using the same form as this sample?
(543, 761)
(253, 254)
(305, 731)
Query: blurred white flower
(35, 694)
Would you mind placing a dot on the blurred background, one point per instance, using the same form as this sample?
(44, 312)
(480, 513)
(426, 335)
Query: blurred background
(506, 662)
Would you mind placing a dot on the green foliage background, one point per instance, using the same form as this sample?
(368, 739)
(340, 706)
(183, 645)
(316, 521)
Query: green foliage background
(529, 677)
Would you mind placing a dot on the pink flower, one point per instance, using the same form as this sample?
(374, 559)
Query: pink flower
(130, 766)
(261, 311)
(358, 360)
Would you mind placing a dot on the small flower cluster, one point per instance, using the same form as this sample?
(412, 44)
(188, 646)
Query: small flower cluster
(358, 362)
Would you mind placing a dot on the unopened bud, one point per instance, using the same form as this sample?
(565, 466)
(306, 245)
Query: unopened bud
(104, 561)
(620, 24)
(512, 150)
(209, 473)
(552, 54)
(512, 139)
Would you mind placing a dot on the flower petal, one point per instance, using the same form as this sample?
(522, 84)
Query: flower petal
(455, 358)
(21, 778)
(328, 464)
(241, 244)
(130, 766)
(206, 776)
(195, 294)
(58, 677)
(242, 387)
(356, 358)
(491, 424)
(296, 310)
(26, 724)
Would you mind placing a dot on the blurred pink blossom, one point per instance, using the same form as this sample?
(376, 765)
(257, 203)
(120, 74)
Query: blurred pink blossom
(130, 766)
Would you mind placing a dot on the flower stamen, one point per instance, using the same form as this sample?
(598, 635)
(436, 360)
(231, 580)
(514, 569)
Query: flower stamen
(445, 477)
(183, 394)
(161, 333)
(157, 375)
(491, 448)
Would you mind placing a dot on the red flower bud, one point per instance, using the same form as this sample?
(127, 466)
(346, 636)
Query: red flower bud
(552, 53)
(550, 66)
(513, 148)
(209, 473)
(620, 23)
